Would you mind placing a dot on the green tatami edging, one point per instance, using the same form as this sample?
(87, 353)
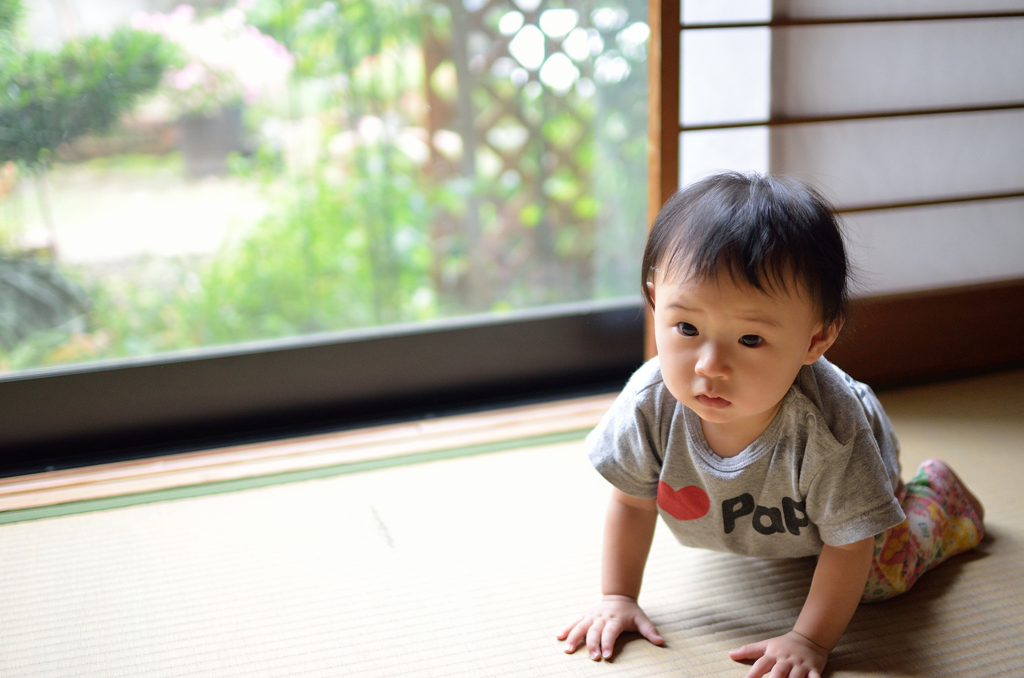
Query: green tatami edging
(237, 485)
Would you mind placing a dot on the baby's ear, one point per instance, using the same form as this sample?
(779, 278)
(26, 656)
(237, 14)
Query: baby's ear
(822, 340)
(650, 290)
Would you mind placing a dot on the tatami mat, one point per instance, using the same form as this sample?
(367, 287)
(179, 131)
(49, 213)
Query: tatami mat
(469, 566)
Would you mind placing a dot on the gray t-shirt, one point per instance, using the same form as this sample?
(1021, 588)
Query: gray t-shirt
(826, 470)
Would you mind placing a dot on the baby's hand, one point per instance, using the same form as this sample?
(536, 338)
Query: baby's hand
(603, 624)
(791, 655)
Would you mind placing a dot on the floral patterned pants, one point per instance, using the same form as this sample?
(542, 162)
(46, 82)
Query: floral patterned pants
(940, 523)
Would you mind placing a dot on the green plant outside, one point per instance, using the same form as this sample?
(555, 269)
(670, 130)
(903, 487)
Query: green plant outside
(48, 99)
(331, 255)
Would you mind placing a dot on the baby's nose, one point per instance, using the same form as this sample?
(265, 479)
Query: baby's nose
(713, 362)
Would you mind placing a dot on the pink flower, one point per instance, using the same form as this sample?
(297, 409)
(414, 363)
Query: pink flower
(183, 13)
(187, 77)
(229, 60)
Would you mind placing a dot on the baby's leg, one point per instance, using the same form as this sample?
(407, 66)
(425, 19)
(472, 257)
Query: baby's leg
(943, 519)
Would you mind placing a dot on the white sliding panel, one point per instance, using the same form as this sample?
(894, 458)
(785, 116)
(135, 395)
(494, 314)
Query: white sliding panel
(950, 98)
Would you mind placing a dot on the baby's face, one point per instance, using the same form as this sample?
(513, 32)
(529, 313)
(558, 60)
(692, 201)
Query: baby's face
(730, 352)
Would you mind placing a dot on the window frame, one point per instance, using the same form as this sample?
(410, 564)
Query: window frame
(122, 409)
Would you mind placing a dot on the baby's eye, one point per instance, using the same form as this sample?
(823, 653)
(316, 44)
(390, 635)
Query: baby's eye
(751, 340)
(687, 330)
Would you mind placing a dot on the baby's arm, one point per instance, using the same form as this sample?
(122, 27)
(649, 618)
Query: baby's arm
(836, 588)
(628, 532)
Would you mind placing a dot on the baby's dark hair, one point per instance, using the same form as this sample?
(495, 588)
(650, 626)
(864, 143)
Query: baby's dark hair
(761, 229)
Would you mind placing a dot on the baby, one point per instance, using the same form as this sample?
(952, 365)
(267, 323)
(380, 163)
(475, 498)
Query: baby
(745, 439)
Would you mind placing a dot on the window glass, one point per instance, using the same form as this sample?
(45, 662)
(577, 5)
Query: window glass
(181, 176)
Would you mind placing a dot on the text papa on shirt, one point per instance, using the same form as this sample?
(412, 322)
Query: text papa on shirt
(692, 502)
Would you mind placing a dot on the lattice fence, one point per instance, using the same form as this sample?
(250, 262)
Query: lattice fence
(512, 89)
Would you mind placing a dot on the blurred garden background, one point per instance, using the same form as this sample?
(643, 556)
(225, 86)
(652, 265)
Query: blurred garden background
(175, 176)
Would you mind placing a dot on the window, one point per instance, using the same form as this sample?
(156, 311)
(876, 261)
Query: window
(262, 215)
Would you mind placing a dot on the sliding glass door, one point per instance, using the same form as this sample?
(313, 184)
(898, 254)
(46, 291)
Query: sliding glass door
(213, 188)
(226, 172)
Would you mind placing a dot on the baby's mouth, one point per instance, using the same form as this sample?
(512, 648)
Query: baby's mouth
(713, 402)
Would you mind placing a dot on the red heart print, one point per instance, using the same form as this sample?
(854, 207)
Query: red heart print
(686, 503)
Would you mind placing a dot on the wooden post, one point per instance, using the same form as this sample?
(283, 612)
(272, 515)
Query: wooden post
(663, 118)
